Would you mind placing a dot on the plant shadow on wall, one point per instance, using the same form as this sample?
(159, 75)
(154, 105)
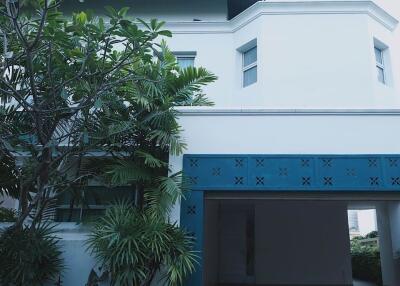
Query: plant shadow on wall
(92, 100)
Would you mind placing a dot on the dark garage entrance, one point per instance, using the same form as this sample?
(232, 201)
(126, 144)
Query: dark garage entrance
(279, 242)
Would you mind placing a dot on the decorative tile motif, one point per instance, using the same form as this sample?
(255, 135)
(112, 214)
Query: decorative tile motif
(194, 163)
(283, 172)
(393, 162)
(306, 181)
(259, 163)
(328, 181)
(260, 181)
(193, 180)
(239, 180)
(395, 181)
(351, 172)
(327, 163)
(216, 172)
(372, 163)
(191, 210)
(239, 163)
(374, 181)
(305, 163)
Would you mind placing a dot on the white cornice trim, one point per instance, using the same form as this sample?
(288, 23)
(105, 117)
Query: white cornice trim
(262, 8)
(212, 111)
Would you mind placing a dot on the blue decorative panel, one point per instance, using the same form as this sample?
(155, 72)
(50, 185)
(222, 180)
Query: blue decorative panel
(293, 172)
(267, 173)
(192, 211)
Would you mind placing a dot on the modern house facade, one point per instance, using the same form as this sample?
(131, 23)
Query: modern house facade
(304, 127)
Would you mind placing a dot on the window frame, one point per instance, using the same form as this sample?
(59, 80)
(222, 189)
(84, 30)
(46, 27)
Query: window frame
(185, 55)
(380, 65)
(244, 68)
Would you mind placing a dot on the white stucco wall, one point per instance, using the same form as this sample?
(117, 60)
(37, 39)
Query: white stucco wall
(318, 55)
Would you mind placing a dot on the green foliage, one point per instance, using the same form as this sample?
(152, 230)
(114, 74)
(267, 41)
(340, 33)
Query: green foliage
(7, 215)
(82, 84)
(133, 246)
(365, 260)
(29, 256)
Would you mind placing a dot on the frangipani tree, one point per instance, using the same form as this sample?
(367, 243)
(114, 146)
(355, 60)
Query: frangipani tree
(83, 87)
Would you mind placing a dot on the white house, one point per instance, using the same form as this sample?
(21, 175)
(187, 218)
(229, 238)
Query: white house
(304, 127)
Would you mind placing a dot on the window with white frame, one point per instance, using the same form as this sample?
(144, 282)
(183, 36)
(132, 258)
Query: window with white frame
(185, 59)
(249, 66)
(380, 64)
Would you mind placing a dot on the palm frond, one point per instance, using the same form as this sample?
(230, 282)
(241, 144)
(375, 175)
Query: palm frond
(125, 172)
(150, 160)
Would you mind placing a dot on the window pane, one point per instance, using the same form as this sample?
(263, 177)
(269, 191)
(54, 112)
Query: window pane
(250, 76)
(378, 56)
(381, 74)
(92, 204)
(250, 57)
(184, 62)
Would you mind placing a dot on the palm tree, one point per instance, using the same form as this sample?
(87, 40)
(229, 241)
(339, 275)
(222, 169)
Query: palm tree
(135, 242)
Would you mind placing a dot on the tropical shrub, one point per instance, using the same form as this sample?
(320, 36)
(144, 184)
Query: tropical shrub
(133, 246)
(7, 215)
(366, 262)
(29, 256)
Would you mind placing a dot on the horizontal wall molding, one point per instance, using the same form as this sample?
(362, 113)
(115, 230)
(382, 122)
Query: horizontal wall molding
(367, 173)
(215, 111)
(266, 8)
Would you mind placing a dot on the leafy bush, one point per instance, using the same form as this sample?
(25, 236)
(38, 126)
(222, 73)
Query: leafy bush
(366, 262)
(7, 215)
(29, 256)
(133, 246)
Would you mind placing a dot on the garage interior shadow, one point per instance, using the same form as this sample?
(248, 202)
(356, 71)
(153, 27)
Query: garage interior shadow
(276, 242)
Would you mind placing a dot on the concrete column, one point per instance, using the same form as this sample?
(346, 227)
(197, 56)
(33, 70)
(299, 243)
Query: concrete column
(394, 215)
(385, 245)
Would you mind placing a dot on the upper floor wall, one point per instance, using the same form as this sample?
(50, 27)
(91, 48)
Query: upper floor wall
(310, 54)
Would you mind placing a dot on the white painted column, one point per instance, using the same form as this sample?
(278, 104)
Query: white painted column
(385, 245)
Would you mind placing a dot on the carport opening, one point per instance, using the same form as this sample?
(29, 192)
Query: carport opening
(364, 246)
(276, 242)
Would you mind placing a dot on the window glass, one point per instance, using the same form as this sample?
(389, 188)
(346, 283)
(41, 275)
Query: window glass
(250, 57)
(90, 203)
(184, 62)
(378, 56)
(250, 76)
(381, 74)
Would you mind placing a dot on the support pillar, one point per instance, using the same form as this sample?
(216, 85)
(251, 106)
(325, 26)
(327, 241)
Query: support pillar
(385, 245)
(394, 215)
